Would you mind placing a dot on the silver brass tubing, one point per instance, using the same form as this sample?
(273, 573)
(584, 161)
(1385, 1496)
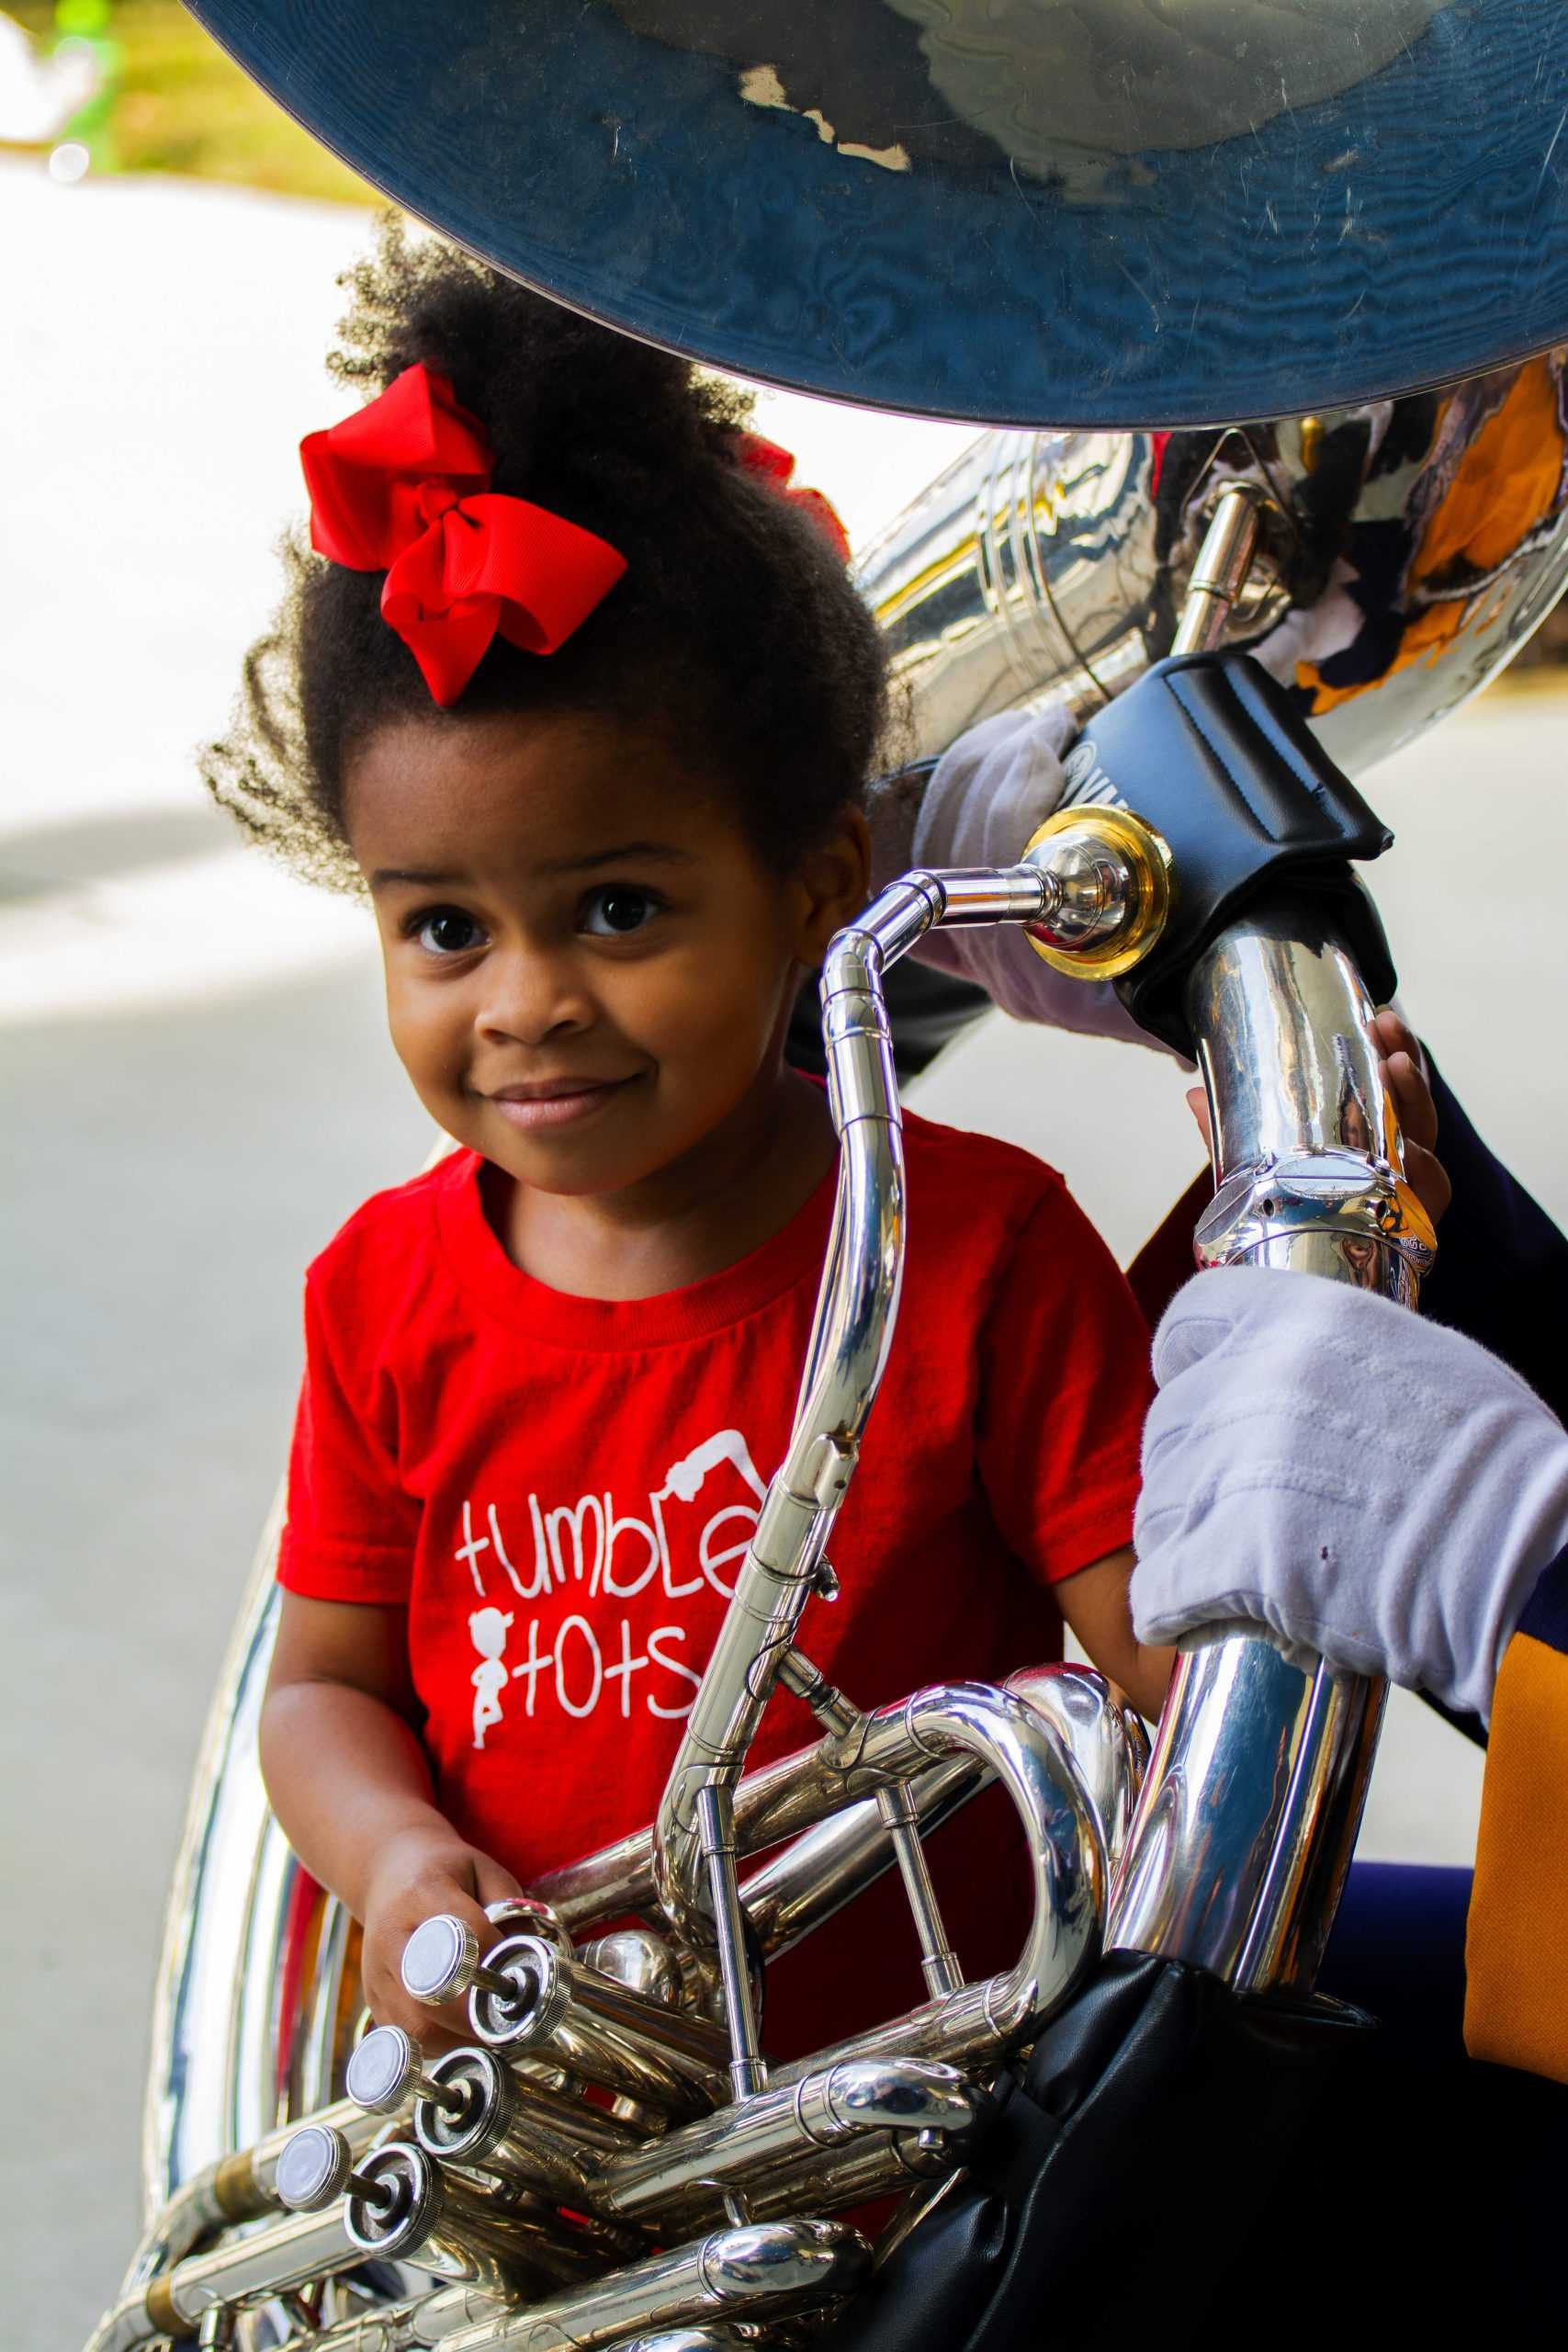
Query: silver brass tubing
(823, 1868)
(408, 2326)
(1108, 1744)
(770, 1803)
(638, 1958)
(988, 894)
(1220, 574)
(716, 1829)
(239, 2188)
(603, 2031)
(743, 2275)
(823, 2111)
(1309, 1161)
(838, 1848)
(900, 1818)
(1237, 1852)
(856, 1306)
(684, 2339)
(885, 2164)
(422, 2212)
(1067, 1864)
(289, 2253)
(499, 2125)
(593, 2129)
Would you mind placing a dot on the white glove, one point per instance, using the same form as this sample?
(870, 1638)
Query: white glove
(1323, 1466)
(988, 795)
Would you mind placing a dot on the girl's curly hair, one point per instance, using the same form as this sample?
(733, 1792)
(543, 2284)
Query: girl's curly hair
(736, 631)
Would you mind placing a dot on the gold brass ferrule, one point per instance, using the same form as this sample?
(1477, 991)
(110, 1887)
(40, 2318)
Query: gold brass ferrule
(235, 2189)
(1132, 870)
(163, 2316)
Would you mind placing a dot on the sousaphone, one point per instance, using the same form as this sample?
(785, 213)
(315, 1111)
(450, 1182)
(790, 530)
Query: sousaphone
(1258, 307)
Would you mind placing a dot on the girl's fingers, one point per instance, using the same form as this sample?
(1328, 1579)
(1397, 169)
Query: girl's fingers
(492, 1883)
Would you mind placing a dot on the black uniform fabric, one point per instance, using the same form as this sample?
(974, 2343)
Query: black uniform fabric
(1502, 1270)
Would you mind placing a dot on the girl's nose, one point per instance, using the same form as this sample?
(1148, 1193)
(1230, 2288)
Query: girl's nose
(531, 997)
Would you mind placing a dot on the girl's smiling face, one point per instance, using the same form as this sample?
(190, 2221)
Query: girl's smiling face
(590, 969)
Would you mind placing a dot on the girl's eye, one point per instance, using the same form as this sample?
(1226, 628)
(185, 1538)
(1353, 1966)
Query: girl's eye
(618, 908)
(447, 930)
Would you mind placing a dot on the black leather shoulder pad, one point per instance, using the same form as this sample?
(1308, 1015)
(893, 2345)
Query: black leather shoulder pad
(1208, 748)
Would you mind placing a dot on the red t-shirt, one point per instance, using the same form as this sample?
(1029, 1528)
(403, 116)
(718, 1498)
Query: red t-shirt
(559, 1490)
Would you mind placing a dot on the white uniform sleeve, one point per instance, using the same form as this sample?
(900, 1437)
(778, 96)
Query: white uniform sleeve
(1323, 1466)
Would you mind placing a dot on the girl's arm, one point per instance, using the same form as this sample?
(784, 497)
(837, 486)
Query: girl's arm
(1095, 1604)
(350, 1784)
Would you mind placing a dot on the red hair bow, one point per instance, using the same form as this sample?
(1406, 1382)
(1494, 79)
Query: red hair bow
(776, 466)
(404, 487)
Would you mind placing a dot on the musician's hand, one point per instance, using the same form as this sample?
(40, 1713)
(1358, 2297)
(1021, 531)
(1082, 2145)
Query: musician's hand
(417, 1872)
(1326, 1467)
(1403, 1068)
(1405, 1071)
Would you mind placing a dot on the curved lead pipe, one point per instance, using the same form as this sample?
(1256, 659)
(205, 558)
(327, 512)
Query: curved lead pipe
(857, 1305)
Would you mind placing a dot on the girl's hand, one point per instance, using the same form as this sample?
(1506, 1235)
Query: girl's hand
(1405, 1073)
(417, 1872)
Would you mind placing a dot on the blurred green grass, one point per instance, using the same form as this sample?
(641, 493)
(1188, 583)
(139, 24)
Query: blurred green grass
(183, 106)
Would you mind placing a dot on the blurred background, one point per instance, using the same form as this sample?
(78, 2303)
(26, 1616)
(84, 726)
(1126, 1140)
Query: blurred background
(196, 1080)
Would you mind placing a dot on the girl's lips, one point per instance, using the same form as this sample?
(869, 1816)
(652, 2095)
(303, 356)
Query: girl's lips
(559, 1107)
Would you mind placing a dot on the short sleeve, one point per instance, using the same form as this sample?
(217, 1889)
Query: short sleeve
(1065, 1387)
(351, 1528)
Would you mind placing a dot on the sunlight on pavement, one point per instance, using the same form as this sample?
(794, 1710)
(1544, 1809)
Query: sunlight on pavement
(196, 928)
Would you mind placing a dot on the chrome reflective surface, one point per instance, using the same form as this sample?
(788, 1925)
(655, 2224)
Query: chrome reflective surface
(1254, 1794)
(1408, 549)
(751, 2274)
(1026, 211)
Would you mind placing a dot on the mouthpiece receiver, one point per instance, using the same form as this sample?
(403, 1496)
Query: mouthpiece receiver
(1109, 880)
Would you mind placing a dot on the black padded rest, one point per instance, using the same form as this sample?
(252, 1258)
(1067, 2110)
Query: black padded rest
(1209, 749)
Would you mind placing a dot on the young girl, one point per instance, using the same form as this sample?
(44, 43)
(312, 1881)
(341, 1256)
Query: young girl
(581, 693)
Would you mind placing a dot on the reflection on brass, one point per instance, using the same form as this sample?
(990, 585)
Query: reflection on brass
(161, 2316)
(235, 2190)
(1407, 550)
(1144, 888)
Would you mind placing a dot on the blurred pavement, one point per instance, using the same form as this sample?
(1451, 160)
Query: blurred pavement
(199, 1090)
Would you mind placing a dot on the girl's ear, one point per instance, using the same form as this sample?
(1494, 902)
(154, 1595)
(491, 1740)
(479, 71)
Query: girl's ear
(834, 882)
